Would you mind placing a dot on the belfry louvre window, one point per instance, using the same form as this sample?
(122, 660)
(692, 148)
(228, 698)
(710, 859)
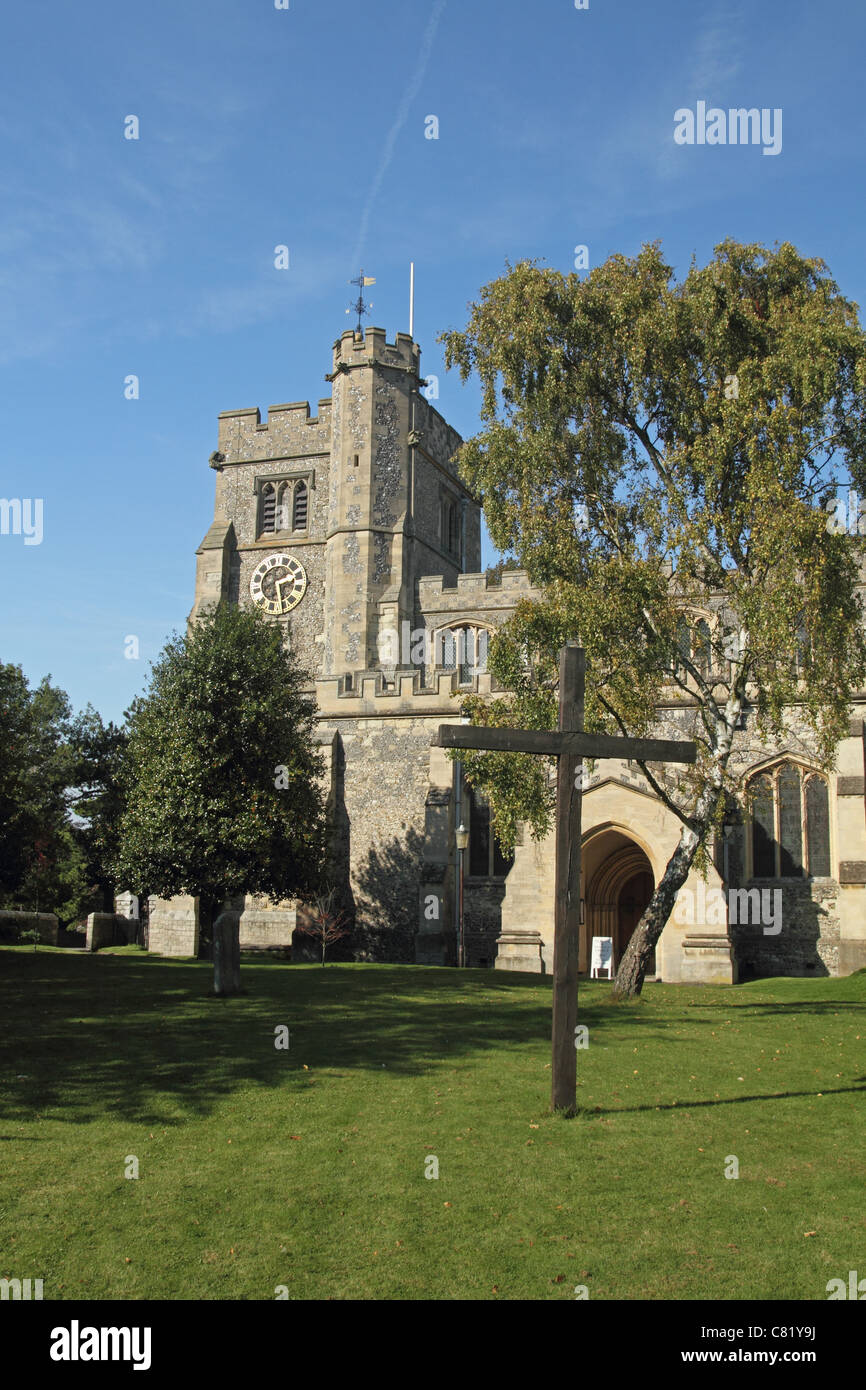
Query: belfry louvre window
(486, 859)
(299, 509)
(790, 819)
(269, 507)
(284, 506)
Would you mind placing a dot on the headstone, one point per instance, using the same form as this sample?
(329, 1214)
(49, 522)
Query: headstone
(227, 952)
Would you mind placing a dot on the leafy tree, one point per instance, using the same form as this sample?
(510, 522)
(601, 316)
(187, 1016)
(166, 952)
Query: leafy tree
(97, 799)
(221, 773)
(494, 572)
(652, 451)
(40, 868)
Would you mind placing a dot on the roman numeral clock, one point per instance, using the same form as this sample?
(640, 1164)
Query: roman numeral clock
(278, 584)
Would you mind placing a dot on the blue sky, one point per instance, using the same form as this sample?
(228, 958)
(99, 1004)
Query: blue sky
(306, 127)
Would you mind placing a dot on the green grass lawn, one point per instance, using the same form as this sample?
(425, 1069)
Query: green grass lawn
(305, 1167)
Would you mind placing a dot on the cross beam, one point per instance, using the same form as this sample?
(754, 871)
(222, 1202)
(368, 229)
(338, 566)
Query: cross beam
(577, 745)
(570, 745)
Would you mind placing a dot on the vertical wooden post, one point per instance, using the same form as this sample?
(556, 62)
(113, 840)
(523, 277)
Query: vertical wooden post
(566, 939)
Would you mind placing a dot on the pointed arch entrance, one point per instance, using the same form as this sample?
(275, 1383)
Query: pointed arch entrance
(620, 884)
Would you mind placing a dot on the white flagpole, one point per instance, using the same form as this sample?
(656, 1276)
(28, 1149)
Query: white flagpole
(411, 299)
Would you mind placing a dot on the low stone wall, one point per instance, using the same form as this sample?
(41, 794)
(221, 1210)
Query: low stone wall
(108, 929)
(13, 924)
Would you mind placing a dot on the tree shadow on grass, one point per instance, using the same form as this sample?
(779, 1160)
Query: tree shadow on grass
(144, 1040)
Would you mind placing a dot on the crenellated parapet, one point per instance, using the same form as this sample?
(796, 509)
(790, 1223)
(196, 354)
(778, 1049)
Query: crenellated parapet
(354, 349)
(370, 694)
(472, 597)
(514, 583)
(289, 431)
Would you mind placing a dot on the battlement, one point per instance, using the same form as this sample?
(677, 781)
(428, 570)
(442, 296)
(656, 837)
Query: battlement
(290, 429)
(370, 693)
(356, 350)
(515, 584)
(298, 413)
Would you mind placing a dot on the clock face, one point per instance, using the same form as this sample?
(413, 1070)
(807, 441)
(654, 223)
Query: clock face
(278, 584)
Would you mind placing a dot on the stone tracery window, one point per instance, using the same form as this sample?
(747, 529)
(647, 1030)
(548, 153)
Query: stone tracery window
(695, 644)
(463, 649)
(790, 823)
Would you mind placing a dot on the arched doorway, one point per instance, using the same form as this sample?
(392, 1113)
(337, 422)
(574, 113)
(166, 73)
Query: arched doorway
(632, 902)
(621, 884)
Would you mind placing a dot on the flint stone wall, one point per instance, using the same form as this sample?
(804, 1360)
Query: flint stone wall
(808, 943)
(383, 810)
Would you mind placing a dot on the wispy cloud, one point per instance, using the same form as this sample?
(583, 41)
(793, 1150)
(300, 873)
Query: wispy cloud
(717, 56)
(402, 116)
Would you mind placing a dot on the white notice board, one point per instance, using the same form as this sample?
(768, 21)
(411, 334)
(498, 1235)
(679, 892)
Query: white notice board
(602, 956)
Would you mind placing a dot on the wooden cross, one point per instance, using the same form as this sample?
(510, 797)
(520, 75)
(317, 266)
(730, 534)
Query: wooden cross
(570, 745)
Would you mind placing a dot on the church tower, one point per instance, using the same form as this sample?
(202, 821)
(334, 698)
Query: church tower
(328, 521)
(370, 509)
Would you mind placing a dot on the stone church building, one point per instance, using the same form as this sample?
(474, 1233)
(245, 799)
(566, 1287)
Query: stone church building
(352, 529)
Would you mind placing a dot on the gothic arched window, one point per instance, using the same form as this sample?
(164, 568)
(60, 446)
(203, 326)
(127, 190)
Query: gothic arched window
(464, 649)
(486, 859)
(449, 525)
(790, 823)
(695, 644)
(703, 653)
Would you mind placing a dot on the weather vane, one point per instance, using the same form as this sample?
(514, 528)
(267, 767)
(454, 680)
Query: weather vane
(360, 307)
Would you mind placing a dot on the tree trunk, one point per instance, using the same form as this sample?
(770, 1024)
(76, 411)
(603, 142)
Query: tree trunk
(227, 952)
(632, 968)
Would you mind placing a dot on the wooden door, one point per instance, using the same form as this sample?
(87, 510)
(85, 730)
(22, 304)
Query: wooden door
(632, 903)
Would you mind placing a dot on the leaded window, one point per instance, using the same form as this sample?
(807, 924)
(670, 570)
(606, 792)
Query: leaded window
(790, 823)
(463, 649)
(486, 859)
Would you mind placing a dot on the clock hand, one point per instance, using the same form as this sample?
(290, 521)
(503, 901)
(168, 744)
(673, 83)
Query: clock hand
(278, 584)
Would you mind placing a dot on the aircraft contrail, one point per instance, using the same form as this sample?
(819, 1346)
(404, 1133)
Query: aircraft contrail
(402, 113)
